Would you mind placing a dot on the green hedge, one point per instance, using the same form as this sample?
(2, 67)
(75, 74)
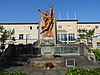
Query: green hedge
(13, 73)
(76, 71)
(96, 53)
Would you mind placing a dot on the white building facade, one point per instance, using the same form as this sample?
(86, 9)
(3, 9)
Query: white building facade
(28, 33)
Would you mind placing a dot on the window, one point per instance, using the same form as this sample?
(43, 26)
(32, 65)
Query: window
(62, 37)
(90, 44)
(96, 27)
(11, 37)
(69, 26)
(60, 27)
(30, 28)
(98, 35)
(88, 26)
(80, 26)
(29, 36)
(21, 28)
(98, 44)
(12, 28)
(3, 28)
(21, 36)
(58, 37)
(71, 37)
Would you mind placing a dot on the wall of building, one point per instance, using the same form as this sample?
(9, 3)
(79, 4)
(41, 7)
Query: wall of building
(66, 31)
(92, 25)
(24, 33)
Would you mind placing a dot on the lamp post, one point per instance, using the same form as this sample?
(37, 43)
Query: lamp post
(0, 42)
(2, 47)
(26, 38)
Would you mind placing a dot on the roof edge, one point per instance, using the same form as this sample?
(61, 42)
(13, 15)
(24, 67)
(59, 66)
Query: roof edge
(88, 22)
(67, 20)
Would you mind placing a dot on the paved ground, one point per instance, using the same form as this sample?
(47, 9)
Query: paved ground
(43, 71)
(81, 62)
(35, 71)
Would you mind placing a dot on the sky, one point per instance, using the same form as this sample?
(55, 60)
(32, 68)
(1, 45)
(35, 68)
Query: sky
(26, 11)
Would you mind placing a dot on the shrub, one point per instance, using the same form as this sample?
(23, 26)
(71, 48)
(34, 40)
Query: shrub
(96, 53)
(77, 71)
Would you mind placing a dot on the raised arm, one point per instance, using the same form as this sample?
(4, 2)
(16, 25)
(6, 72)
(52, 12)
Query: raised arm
(42, 13)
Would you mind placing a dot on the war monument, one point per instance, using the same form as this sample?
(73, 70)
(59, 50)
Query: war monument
(54, 51)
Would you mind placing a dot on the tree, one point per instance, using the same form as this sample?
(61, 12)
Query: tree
(89, 36)
(5, 34)
(81, 35)
(85, 34)
(11, 35)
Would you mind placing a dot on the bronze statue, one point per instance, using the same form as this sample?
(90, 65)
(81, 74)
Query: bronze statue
(47, 22)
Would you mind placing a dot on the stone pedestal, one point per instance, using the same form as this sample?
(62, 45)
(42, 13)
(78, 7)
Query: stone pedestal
(47, 49)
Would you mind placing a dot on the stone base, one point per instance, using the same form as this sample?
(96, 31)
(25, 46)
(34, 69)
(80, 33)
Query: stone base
(47, 49)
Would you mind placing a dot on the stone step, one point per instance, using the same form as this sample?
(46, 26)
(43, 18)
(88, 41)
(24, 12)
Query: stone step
(47, 56)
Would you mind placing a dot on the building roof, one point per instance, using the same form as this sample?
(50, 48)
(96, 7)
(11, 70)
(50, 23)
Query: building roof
(16, 23)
